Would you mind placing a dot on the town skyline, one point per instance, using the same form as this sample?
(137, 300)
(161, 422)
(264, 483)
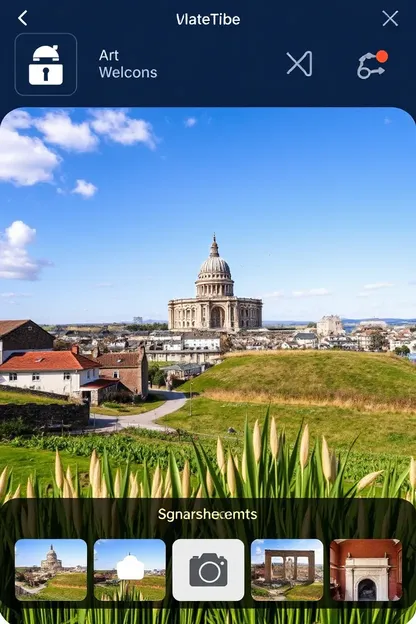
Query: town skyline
(108, 553)
(259, 546)
(30, 552)
(306, 250)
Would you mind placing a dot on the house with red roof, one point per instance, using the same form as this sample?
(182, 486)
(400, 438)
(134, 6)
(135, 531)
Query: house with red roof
(59, 372)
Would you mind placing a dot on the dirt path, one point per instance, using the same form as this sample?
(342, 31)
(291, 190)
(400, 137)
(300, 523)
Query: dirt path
(146, 420)
(69, 586)
(30, 590)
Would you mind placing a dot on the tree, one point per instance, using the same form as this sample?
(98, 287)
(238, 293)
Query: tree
(147, 327)
(60, 345)
(402, 350)
(153, 368)
(378, 342)
(159, 378)
(311, 325)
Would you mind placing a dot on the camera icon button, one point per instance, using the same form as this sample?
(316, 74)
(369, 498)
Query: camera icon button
(208, 570)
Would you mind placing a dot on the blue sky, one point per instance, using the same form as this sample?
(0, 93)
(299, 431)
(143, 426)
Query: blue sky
(108, 214)
(30, 552)
(151, 552)
(259, 546)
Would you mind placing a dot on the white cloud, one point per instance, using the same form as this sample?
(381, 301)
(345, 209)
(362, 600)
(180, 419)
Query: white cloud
(190, 122)
(86, 189)
(19, 234)
(28, 160)
(12, 295)
(312, 292)
(24, 160)
(363, 294)
(104, 285)
(117, 126)
(130, 568)
(387, 121)
(378, 286)
(59, 129)
(258, 550)
(17, 119)
(15, 262)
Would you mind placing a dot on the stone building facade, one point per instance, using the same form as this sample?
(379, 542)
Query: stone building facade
(330, 326)
(51, 563)
(215, 305)
(40, 417)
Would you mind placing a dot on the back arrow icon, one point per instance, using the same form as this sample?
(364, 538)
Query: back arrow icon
(21, 16)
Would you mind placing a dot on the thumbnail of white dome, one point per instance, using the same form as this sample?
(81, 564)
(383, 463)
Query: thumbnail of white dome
(130, 569)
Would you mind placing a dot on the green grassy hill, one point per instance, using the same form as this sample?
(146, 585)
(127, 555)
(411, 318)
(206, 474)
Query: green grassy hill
(21, 398)
(340, 395)
(69, 586)
(150, 587)
(334, 377)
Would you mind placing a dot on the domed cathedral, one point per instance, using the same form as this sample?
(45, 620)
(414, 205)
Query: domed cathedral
(215, 306)
(51, 563)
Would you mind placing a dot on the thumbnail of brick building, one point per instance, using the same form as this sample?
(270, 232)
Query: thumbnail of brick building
(366, 569)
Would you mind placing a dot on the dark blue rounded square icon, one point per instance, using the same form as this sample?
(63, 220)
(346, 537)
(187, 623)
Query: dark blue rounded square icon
(45, 64)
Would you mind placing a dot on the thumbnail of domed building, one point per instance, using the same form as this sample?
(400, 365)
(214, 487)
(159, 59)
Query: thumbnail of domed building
(215, 306)
(51, 563)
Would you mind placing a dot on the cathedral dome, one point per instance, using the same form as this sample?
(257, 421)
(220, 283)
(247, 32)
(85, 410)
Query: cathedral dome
(51, 554)
(214, 266)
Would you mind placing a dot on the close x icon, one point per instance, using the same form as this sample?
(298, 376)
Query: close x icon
(304, 63)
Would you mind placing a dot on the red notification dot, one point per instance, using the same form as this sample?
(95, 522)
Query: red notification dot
(382, 56)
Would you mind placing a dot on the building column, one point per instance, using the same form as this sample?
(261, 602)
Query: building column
(236, 317)
(295, 569)
(349, 584)
(384, 586)
(311, 567)
(268, 568)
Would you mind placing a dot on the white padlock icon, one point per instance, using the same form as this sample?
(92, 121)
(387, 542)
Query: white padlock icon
(46, 69)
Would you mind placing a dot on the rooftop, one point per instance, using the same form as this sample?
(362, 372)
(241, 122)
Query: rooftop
(47, 361)
(182, 367)
(127, 359)
(7, 326)
(103, 382)
(196, 336)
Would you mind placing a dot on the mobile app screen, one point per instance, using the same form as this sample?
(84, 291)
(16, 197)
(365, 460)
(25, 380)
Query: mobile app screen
(207, 364)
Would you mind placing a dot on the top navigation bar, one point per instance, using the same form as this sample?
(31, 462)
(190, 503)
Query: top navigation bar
(230, 54)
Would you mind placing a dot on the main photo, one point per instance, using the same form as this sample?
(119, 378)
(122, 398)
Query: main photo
(171, 277)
